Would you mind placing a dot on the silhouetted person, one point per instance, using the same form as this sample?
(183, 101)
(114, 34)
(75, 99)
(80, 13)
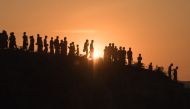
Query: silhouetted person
(72, 49)
(106, 54)
(65, 46)
(51, 46)
(57, 45)
(109, 52)
(45, 45)
(150, 67)
(92, 49)
(39, 44)
(175, 74)
(1, 41)
(31, 46)
(4, 40)
(170, 71)
(112, 52)
(139, 59)
(115, 54)
(123, 56)
(129, 56)
(12, 41)
(85, 49)
(120, 51)
(62, 47)
(25, 41)
(77, 52)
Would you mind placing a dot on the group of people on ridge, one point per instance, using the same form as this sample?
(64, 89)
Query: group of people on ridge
(112, 54)
(55, 46)
(172, 75)
(7, 41)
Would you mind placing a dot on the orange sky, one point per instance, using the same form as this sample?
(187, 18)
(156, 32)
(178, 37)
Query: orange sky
(159, 29)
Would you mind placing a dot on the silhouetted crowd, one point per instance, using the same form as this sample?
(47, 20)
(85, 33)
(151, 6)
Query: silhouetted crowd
(112, 54)
(55, 46)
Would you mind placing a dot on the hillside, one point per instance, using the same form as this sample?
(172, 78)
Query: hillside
(43, 81)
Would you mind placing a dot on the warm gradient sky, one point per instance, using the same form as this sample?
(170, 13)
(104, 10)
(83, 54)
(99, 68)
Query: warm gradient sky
(159, 29)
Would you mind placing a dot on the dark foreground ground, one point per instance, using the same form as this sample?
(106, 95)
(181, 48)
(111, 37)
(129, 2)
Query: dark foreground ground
(36, 81)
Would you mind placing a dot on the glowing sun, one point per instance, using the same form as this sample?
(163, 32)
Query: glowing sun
(97, 54)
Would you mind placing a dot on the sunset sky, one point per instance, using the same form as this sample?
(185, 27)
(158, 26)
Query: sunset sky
(158, 29)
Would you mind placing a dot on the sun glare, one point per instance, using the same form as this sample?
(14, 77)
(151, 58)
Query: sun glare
(97, 54)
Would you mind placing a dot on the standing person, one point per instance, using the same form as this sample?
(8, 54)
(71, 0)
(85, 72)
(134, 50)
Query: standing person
(31, 46)
(120, 55)
(25, 41)
(112, 51)
(45, 45)
(65, 46)
(139, 58)
(150, 67)
(106, 54)
(38, 43)
(123, 56)
(86, 44)
(1, 41)
(115, 54)
(109, 52)
(170, 70)
(51, 46)
(12, 41)
(92, 49)
(62, 47)
(57, 45)
(72, 49)
(77, 53)
(129, 56)
(4, 37)
(175, 74)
